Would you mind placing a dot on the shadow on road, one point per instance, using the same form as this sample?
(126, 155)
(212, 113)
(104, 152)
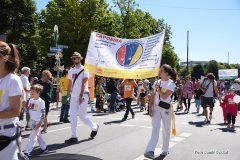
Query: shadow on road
(113, 122)
(54, 123)
(231, 130)
(182, 113)
(197, 124)
(63, 156)
(52, 149)
(100, 114)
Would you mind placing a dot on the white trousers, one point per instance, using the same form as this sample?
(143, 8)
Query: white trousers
(11, 151)
(80, 110)
(164, 116)
(34, 136)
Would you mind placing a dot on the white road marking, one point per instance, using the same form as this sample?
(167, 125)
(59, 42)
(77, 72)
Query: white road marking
(148, 127)
(177, 139)
(62, 129)
(127, 125)
(115, 118)
(184, 134)
(99, 117)
(157, 152)
(171, 144)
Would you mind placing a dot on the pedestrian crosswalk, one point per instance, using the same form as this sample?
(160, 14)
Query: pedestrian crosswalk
(174, 141)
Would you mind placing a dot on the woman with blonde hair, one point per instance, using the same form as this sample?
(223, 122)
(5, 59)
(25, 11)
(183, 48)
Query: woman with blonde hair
(46, 94)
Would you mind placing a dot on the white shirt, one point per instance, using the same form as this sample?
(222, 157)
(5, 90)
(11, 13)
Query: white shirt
(35, 108)
(210, 88)
(72, 73)
(10, 86)
(165, 85)
(236, 86)
(26, 84)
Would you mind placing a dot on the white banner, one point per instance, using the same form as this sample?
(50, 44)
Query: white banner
(227, 73)
(124, 58)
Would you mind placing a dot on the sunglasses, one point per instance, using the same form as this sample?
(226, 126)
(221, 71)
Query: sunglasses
(75, 58)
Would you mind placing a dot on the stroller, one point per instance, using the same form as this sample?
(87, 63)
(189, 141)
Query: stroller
(119, 104)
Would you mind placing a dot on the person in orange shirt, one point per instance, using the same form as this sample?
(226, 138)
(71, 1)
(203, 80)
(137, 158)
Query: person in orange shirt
(128, 95)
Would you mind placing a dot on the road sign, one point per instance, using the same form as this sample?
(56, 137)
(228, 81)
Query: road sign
(56, 49)
(62, 46)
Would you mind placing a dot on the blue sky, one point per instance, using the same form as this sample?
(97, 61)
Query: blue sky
(214, 26)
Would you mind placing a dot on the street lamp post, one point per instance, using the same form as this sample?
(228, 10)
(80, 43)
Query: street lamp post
(57, 56)
(187, 49)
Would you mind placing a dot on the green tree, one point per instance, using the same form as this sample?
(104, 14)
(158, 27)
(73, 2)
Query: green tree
(197, 71)
(76, 20)
(212, 67)
(183, 72)
(18, 22)
(170, 57)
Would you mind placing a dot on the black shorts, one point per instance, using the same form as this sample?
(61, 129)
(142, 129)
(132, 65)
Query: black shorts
(207, 101)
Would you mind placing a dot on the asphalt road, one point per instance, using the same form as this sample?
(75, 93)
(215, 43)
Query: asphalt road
(117, 140)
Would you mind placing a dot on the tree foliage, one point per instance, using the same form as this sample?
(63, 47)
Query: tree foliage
(212, 67)
(197, 71)
(76, 19)
(18, 22)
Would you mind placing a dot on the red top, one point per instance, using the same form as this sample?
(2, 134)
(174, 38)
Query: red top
(231, 107)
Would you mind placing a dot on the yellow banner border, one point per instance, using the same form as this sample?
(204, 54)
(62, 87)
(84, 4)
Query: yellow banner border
(122, 74)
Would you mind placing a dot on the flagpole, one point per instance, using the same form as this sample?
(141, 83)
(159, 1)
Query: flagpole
(228, 58)
(187, 49)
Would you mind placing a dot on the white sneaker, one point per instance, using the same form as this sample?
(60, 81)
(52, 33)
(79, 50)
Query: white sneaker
(206, 120)
(210, 117)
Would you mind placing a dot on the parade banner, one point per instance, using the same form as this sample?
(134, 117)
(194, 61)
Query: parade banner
(227, 74)
(124, 58)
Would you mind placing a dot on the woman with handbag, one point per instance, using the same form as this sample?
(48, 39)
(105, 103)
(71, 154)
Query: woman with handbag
(160, 110)
(187, 93)
(10, 101)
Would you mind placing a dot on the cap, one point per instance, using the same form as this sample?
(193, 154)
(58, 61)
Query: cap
(77, 55)
(232, 88)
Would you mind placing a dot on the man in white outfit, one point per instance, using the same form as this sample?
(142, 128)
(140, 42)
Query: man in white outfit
(79, 98)
(26, 85)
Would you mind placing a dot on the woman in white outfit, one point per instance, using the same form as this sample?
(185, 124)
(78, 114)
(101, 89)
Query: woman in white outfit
(10, 101)
(160, 110)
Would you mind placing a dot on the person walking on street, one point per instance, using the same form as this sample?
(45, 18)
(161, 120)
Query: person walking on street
(37, 115)
(231, 108)
(64, 83)
(46, 94)
(11, 90)
(26, 86)
(78, 87)
(112, 89)
(187, 93)
(160, 110)
(100, 92)
(209, 88)
(128, 94)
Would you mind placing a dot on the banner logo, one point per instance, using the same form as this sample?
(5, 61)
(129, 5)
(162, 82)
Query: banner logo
(129, 54)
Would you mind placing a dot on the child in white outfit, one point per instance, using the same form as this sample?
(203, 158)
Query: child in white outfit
(37, 115)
